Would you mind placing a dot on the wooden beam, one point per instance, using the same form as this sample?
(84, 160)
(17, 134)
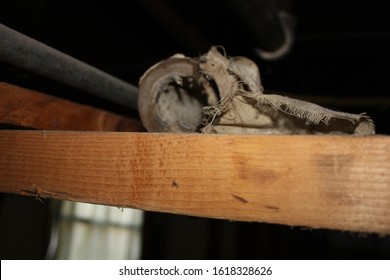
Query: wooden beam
(32, 109)
(335, 182)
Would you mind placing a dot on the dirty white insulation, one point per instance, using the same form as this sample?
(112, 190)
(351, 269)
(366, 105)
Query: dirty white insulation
(219, 94)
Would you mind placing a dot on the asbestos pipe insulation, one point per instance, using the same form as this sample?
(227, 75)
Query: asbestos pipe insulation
(26, 53)
(218, 94)
(172, 94)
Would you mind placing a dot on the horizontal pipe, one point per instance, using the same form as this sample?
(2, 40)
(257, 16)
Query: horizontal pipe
(29, 54)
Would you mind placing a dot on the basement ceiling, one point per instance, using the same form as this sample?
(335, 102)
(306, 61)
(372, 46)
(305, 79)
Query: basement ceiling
(341, 47)
(340, 50)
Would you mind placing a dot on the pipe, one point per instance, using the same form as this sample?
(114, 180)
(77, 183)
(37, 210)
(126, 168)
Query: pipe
(26, 53)
(272, 31)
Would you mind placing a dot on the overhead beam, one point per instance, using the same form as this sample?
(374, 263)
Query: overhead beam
(27, 108)
(334, 182)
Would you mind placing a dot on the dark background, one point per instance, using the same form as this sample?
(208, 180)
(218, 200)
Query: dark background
(341, 50)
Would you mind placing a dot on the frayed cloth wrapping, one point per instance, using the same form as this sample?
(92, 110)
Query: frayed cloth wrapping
(218, 94)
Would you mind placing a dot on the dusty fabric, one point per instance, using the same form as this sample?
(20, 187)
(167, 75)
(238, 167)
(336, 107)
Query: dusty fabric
(217, 94)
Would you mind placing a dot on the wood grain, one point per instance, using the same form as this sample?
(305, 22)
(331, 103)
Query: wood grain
(335, 182)
(32, 109)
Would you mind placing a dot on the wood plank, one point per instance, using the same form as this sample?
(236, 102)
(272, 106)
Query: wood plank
(28, 108)
(335, 182)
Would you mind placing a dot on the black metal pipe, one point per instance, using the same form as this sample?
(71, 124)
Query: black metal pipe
(26, 53)
(270, 29)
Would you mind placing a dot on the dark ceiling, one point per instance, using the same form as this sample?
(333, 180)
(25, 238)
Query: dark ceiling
(341, 50)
